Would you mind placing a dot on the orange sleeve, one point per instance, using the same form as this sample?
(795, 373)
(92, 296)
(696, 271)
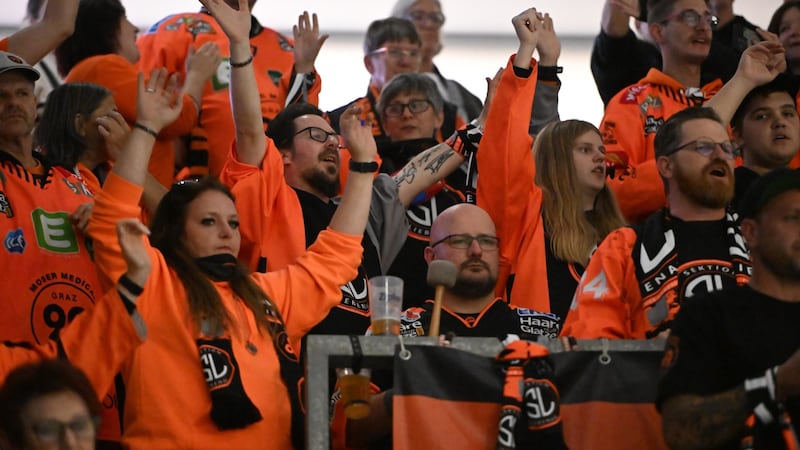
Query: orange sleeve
(607, 293)
(640, 195)
(271, 220)
(4, 44)
(505, 188)
(306, 290)
(118, 199)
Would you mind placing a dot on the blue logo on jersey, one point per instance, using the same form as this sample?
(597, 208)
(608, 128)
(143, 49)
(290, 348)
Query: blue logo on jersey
(15, 241)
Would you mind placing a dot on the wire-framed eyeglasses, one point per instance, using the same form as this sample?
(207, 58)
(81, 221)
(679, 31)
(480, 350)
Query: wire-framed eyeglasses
(462, 241)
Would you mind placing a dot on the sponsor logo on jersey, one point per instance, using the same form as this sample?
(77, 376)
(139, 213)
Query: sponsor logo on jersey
(5, 206)
(54, 231)
(15, 241)
(58, 298)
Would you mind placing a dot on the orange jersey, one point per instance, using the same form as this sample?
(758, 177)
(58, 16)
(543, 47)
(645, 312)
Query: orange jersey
(271, 219)
(638, 277)
(118, 75)
(54, 277)
(4, 44)
(304, 292)
(107, 330)
(166, 44)
(629, 126)
(507, 191)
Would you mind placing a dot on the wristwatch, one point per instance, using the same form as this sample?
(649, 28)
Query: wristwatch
(363, 167)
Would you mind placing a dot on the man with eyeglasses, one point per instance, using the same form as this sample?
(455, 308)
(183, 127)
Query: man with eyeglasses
(465, 235)
(640, 275)
(294, 184)
(682, 30)
(619, 59)
(391, 47)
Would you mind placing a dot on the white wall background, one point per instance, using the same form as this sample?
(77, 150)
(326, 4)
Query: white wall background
(478, 39)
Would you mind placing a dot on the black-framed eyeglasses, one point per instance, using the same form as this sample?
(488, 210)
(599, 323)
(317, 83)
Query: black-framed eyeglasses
(462, 241)
(415, 106)
(318, 134)
(435, 18)
(691, 18)
(397, 53)
(706, 148)
(52, 431)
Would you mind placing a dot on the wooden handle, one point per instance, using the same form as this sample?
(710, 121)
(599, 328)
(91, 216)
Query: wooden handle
(437, 312)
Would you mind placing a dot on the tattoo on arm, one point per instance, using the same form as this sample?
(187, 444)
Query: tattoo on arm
(694, 421)
(438, 162)
(406, 175)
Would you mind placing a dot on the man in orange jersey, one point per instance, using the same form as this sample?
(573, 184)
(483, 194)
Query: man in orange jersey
(284, 69)
(43, 212)
(639, 275)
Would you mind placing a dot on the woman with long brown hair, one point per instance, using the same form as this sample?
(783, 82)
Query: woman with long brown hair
(551, 209)
(219, 369)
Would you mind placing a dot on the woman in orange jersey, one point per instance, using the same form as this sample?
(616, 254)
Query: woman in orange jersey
(551, 209)
(218, 369)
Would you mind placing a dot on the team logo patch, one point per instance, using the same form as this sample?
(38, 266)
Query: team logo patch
(15, 241)
(217, 366)
(5, 206)
(508, 422)
(541, 404)
(355, 296)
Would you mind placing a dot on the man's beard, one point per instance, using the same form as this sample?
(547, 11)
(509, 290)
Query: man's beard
(471, 287)
(700, 190)
(327, 182)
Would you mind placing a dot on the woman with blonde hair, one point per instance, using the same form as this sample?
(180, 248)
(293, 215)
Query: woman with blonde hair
(551, 209)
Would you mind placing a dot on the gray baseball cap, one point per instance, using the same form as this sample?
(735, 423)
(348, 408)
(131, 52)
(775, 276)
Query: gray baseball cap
(10, 61)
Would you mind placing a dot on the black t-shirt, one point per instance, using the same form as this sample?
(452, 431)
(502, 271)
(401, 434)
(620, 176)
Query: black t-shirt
(725, 337)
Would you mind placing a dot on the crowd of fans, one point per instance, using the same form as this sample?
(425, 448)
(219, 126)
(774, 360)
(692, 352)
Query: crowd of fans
(178, 215)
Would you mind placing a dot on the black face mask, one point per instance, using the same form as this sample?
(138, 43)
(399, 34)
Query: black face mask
(219, 267)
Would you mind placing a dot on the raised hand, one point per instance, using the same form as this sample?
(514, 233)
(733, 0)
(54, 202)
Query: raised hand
(234, 22)
(549, 45)
(131, 233)
(527, 26)
(491, 88)
(357, 135)
(762, 62)
(307, 42)
(203, 61)
(115, 132)
(158, 103)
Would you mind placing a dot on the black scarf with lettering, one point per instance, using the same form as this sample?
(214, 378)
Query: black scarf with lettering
(656, 236)
(231, 408)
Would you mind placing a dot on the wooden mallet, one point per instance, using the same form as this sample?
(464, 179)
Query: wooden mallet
(441, 276)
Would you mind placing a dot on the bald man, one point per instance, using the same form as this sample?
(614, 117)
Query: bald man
(465, 235)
